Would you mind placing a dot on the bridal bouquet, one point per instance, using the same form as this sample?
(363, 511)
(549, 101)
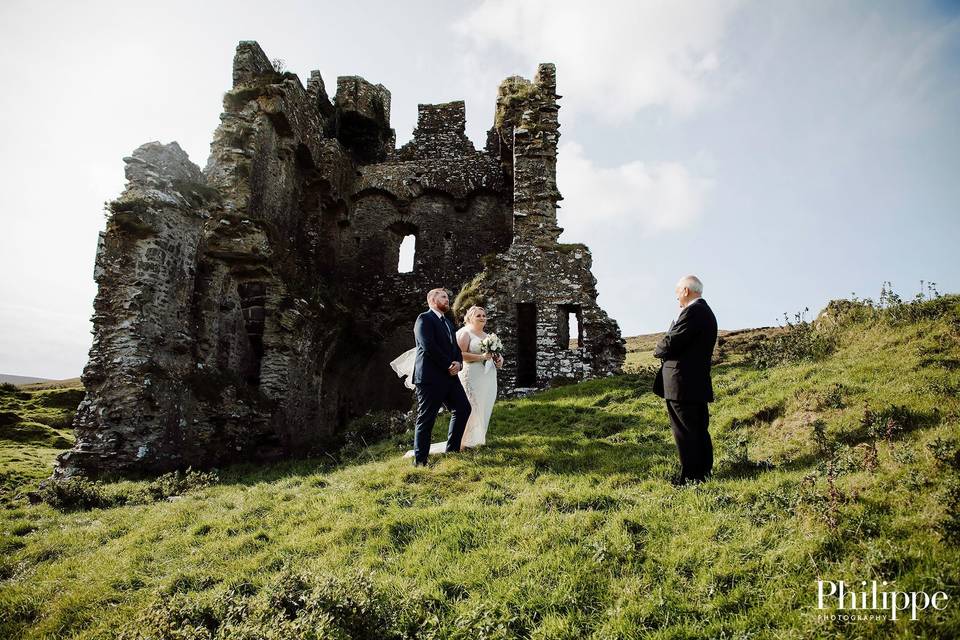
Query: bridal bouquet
(490, 344)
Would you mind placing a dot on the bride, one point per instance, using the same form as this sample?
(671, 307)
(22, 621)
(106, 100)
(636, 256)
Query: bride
(479, 380)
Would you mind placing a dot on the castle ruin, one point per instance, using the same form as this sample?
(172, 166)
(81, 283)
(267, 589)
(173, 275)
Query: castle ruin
(249, 310)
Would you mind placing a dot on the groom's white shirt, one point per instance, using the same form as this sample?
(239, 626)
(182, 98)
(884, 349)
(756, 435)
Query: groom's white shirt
(443, 320)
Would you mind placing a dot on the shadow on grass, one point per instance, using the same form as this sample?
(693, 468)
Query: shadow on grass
(555, 431)
(563, 456)
(253, 473)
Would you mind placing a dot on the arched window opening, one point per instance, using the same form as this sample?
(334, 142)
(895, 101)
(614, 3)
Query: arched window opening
(408, 250)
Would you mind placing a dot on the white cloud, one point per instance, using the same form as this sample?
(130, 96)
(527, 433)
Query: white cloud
(43, 342)
(614, 210)
(648, 198)
(613, 58)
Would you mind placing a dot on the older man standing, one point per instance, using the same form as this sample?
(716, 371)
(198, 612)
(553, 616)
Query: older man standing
(684, 378)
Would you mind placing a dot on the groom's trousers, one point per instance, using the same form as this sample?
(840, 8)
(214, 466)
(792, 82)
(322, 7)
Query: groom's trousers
(430, 397)
(689, 422)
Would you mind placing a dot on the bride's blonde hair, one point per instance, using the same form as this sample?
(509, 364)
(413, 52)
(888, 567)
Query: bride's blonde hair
(471, 312)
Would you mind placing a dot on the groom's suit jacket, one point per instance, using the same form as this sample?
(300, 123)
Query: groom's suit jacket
(436, 348)
(686, 350)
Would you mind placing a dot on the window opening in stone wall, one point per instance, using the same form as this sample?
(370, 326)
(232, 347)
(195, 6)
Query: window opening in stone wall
(526, 344)
(252, 301)
(570, 334)
(408, 249)
(401, 247)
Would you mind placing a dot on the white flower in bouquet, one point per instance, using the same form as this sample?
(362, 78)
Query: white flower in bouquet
(490, 344)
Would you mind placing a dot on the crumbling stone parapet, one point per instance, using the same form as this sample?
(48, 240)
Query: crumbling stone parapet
(440, 133)
(250, 63)
(362, 111)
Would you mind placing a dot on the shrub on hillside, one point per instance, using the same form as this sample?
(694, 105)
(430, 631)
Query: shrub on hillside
(950, 524)
(80, 493)
(293, 605)
(891, 308)
(799, 341)
(735, 460)
(76, 493)
(175, 483)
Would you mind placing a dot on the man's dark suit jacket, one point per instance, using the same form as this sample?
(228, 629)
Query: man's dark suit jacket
(686, 351)
(435, 349)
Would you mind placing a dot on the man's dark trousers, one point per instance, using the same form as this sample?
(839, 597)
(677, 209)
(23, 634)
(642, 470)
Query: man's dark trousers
(437, 348)
(430, 397)
(689, 421)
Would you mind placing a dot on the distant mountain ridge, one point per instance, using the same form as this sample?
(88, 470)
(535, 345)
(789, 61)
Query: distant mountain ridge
(20, 379)
(36, 384)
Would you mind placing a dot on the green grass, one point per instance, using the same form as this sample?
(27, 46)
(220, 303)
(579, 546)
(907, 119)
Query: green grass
(34, 428)
(565, 525)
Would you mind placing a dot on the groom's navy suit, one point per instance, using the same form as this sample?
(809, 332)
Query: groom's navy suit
(684, 382)
(437, 348)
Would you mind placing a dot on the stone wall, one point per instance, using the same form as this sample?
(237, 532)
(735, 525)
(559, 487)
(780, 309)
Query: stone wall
(249, 311)
(533, 289)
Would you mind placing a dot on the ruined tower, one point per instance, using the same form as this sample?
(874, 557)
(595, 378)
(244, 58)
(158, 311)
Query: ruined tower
(246, 312)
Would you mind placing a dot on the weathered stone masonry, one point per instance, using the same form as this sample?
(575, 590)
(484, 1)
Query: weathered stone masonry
(248, 311)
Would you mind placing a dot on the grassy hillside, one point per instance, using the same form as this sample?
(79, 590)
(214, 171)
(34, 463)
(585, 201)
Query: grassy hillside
(69, 383)
(640, 348)
(838, 457)
(34, 428)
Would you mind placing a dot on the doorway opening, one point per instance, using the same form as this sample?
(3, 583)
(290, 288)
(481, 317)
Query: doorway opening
(252, 305)
(526, 344)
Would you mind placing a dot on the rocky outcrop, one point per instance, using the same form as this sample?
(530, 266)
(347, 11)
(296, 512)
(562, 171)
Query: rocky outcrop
(248, 311)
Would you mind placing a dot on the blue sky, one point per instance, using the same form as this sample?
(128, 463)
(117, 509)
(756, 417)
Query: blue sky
(786, 152)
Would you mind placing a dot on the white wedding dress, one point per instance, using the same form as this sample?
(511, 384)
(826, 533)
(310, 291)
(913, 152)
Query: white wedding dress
(479, 382)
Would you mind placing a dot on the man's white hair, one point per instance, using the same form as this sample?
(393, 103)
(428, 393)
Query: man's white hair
(691, 282)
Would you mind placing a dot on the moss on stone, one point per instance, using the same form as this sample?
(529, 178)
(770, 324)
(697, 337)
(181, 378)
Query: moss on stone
(471, 293)
(514, 94)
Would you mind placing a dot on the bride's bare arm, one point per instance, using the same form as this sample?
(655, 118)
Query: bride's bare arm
(463, 340)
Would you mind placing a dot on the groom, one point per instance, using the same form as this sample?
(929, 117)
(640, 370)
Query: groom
(684, 378)
(435, 375)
